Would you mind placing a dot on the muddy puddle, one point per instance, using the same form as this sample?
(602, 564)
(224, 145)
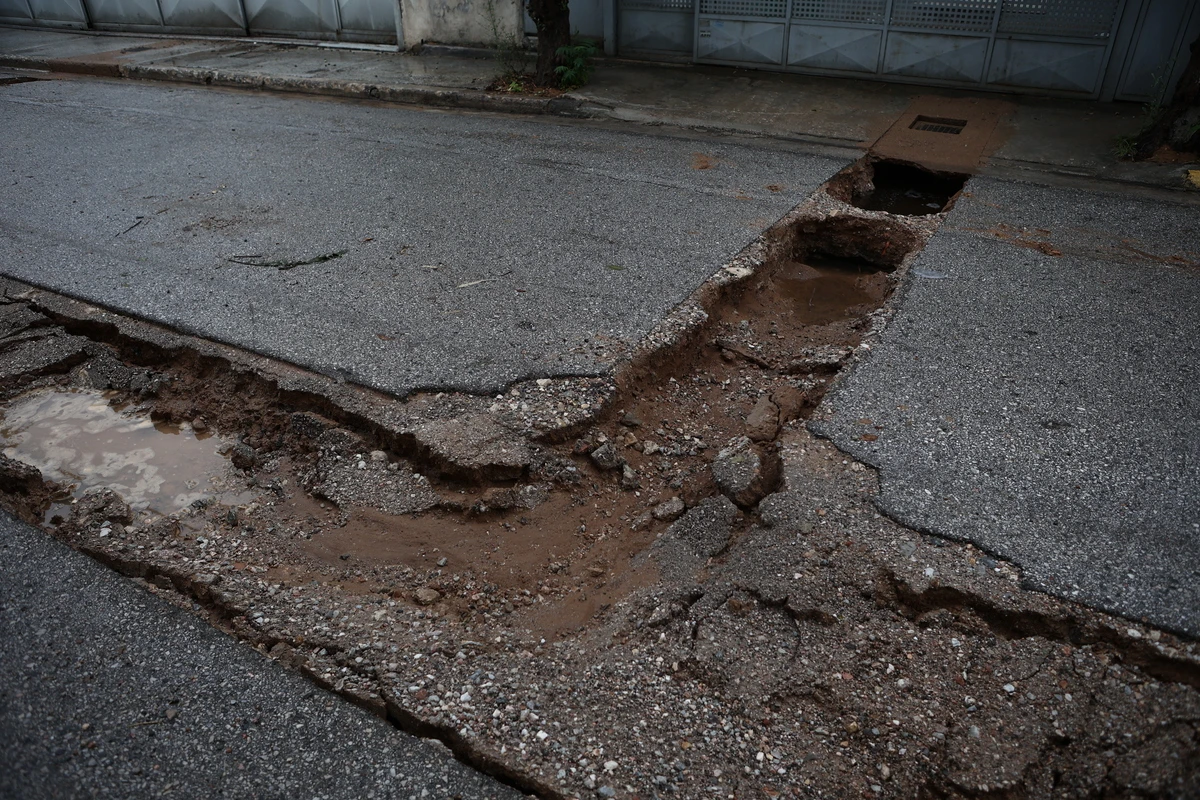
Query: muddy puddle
(824, 289)
(906, 190)
(79, 440)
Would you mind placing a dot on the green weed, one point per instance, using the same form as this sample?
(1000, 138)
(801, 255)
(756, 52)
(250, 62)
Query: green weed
(577, 65)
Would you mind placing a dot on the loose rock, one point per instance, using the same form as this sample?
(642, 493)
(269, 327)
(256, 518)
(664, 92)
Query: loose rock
(743, 474)
(762, 425)
(605, 457)
(670, 510)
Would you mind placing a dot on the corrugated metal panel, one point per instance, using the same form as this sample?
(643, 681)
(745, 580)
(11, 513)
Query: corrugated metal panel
(292, 16)
(1047, 65)
(123, 12)
(17, 10)
(739, 40)
(943, 58)
(824, 47)
(216, 15)
(58, 11)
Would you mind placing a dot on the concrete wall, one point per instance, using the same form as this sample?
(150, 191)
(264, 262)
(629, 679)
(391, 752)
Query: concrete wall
(462, 22)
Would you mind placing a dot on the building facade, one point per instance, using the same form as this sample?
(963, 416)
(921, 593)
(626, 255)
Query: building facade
(1099, 49)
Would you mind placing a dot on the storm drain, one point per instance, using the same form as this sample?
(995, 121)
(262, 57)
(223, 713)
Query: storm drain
(938, 125)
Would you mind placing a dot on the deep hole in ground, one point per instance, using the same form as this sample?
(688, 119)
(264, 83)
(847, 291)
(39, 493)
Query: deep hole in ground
(897, 188)
(441, 568)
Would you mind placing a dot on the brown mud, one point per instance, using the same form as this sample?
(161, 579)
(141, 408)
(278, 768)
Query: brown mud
(555, 582)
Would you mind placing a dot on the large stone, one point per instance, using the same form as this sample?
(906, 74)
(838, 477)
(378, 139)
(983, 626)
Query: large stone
(743, 473)
(762, 424)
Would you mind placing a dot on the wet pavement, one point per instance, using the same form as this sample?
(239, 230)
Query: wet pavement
(398, 248)
(112, 692)
(1035, 394)
(1035, 135)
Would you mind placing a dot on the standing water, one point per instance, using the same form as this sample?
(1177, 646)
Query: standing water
(79, 440)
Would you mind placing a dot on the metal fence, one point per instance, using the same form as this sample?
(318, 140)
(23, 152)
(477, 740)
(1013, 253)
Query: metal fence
(1123, 49)
(348, 20)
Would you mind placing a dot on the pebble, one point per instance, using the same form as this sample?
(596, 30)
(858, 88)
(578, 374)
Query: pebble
(427, 596)
(1008, 687)
(670, 510)
(605, 457)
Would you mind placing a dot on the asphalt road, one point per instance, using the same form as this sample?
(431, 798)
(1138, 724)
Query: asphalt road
(110, 692)
(1046, 406)
(474, 249)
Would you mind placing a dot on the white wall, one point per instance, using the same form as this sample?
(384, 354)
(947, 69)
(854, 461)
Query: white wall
(461, 22)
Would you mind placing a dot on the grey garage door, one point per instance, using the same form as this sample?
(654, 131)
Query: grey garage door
(351, 20)
(1054, 45)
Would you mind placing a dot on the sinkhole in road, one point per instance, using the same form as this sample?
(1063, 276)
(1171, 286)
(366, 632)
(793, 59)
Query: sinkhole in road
(903, 189)
(451, 513)
(551, 534)
(79, 440)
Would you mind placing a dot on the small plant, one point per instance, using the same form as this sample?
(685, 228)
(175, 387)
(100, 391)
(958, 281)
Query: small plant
(1125, 147)
(577, 65)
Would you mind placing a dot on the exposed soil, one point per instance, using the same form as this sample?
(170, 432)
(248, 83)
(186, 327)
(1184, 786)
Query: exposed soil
(573, 586)
(524, 84)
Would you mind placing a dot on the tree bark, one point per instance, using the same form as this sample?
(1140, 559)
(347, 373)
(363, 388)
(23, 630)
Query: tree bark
(1184, 101)
(553, 21)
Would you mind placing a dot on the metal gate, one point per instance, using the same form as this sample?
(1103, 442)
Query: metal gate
(1055, 45)
(350, 20)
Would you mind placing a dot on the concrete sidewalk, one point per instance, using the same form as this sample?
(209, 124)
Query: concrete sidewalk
(1068, 137)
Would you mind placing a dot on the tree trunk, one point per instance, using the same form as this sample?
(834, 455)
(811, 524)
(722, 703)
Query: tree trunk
(553, 21)
(1184, 104)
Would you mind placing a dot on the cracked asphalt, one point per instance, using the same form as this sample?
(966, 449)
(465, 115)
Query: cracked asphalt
(1036, 394)
(475, 250)
(112, 692)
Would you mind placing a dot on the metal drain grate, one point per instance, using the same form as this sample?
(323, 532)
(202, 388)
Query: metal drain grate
(938, 125)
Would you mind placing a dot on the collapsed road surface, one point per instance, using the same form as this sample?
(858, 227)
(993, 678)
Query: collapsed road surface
(653, 581)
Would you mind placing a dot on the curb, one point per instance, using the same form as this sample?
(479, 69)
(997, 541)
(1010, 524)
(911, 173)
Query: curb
(564, 106)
